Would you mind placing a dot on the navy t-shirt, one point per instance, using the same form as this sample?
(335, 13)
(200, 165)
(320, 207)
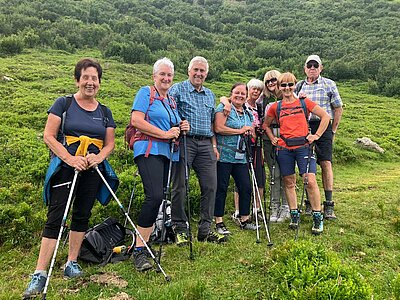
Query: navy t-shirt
(79, 122)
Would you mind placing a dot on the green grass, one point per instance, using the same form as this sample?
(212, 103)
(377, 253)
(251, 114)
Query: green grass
(367, 194)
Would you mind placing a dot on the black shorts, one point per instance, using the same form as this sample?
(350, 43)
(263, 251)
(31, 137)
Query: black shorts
(323, 146)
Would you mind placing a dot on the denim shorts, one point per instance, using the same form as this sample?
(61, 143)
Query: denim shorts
(288, 158)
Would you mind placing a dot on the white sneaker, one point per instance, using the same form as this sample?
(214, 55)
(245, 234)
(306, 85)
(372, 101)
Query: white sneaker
(284, 214)
(235, 218)
(274, 214)
(221, 229)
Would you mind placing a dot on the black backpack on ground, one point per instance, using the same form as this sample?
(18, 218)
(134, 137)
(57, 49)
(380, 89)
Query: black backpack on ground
(101, 242)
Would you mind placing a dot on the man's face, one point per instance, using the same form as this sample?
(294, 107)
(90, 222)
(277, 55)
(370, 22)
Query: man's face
(198, 74)
(312, 69)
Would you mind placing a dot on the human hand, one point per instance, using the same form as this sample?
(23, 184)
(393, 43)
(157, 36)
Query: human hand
(173, 133)
(302, 95)
(184, 126)
(94, 159)
(79, 163)
(216, 153)
(246, 130)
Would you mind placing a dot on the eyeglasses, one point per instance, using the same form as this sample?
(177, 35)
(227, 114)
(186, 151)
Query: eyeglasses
(271, 80)
(285, 84)
(312, 64)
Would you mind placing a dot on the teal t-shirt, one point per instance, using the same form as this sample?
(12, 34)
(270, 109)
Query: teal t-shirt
(236, 121)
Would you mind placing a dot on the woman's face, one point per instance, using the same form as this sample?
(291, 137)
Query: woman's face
(271, 84)
(287, 88)
(88, 83)
(254, 93)
(163, 77)
(238, 95)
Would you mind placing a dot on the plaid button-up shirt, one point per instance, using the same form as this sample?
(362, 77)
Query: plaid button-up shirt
(196, 107)
(324, 92)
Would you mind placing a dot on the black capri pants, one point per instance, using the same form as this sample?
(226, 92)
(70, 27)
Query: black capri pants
(86, 188)
(154, 173)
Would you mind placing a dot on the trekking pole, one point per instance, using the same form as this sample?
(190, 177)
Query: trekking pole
(257, 194)
(131, 198)
(187, 196)
(167, 278)
(64, 219)
(166, 198)
(305, 183)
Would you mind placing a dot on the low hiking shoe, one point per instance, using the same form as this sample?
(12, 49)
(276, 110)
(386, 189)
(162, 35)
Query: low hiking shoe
(273, 217)
(221, 229)
(141, 260)
(181, 239)
(329, 210)
(294, 218)
(284, 214)
(213, 237)
(248, 225)
(318, 223)
(36, 286)
(308, 210)
(72, 270)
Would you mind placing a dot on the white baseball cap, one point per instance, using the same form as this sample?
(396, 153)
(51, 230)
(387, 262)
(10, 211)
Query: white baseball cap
(315, 58)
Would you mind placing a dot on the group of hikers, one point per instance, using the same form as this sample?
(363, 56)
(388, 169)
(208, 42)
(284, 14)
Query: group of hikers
(278, 120)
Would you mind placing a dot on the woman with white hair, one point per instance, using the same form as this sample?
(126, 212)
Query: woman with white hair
(156, 119)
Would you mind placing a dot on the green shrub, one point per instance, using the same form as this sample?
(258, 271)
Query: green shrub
(396, 287)
(11, 45)
(306, 270)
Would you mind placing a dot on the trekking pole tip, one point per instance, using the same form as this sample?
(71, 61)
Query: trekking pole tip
(270, 244)
(258, 241)
(168, 278)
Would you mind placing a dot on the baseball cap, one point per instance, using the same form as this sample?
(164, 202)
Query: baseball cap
(315, 58)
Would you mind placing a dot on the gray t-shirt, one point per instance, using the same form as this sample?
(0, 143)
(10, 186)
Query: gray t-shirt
(79, 122)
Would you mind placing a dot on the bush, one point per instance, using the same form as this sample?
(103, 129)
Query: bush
(306, 270)
(11, 45)
(396, 287)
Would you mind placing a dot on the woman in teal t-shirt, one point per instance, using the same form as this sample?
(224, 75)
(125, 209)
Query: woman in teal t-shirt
(230, 130)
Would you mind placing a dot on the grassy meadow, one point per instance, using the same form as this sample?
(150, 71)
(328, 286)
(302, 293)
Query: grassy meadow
(357, 257)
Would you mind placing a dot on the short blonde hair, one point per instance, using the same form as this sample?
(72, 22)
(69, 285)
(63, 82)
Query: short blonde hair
(269, 75)
(286, 77)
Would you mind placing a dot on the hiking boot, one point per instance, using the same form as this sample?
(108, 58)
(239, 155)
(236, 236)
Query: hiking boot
(284, 214)
(72, 270)
(308, 210)
(182, 239)
(273, 217)
(213, 237)
(36, 286)
(294, 218)
(221, 229)
(318, 223)
(329, 213)
(248, 225)
(141, 260)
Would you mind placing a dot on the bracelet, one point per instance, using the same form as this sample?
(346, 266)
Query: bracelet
(214, 146)
(317, 135)
(333, 132)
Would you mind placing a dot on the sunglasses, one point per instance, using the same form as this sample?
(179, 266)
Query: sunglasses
(271, 80)
(285, 84)
(312, 64)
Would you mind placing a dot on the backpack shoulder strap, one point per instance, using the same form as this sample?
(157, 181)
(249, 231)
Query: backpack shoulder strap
(304, 107)
(278, 110)
(105, 114)
(68, 101)
(299, 87)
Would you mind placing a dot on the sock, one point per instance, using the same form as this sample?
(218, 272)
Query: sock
(237, 213)
(328, 196)
(41, 272)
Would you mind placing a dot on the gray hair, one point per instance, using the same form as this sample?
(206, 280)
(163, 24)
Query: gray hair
(163, 61)
(255, 83)
(199, 59)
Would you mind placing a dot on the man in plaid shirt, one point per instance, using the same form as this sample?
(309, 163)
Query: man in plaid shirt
(324, 92)
(196, 104)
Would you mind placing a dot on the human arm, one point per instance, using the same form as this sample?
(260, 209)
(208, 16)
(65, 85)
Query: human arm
(227, 105)
(337, 116)
(221, 128)
(266, 126)
(50, 138)
(214, 145)
(324, 121)
(139, 122)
